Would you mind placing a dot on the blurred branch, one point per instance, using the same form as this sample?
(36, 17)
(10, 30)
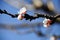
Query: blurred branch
(18, 26)
(30, 26)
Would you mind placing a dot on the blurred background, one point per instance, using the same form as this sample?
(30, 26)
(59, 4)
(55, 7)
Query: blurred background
(14, 29)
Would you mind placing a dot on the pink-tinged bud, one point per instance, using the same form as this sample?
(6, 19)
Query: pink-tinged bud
(47, 22)
(21, 13)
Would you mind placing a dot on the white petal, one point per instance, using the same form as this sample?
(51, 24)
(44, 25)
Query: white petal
(45, 20)
(45, 25)
(19, 17)
(22, 10)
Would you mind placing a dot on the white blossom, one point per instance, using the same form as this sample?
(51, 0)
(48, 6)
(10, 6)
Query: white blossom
(52, 38)
(21, 13)
(46, 22)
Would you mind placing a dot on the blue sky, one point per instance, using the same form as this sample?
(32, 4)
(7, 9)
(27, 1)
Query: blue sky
(6, 34)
